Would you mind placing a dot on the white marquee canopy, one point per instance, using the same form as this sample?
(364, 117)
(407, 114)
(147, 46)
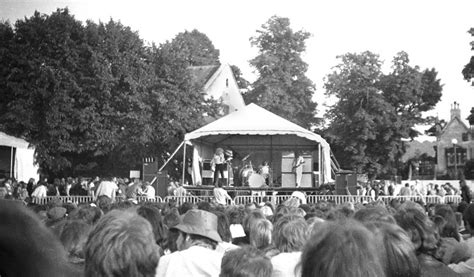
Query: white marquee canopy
(255, 125)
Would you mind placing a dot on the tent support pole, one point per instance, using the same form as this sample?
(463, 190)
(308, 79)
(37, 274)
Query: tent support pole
(184, 163)
(320, 161)
(11, 162)
(172, 155)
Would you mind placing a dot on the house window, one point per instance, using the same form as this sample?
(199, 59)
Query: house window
(465, 137)
(460, 159)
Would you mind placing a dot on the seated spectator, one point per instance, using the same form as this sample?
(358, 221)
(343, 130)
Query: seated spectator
(249, 219)
(27, 247)
(224, 232)
(74, 236)
(289, 235)
(467, 267)
(246, 261)
(186, 206)
(425, 239)
(121, 244)
(89, 214)
(236, 217)
(340, 249)
(197, 241)
(261, 234)
(395, 249)
(451, 228)
(170, 220)
(153, 216)
(377, 213)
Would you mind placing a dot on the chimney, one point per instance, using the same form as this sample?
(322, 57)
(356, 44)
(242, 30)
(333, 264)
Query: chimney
(455, 111)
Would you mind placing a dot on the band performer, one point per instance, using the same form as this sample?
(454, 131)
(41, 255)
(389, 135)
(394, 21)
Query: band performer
(298, 167)
(218, 165)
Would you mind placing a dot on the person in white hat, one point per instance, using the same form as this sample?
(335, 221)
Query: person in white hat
(197, 241)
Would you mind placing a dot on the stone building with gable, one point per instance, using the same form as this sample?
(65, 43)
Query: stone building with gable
(454, 144)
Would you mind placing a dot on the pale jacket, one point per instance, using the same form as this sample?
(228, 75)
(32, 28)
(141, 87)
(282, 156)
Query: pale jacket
(195, 261)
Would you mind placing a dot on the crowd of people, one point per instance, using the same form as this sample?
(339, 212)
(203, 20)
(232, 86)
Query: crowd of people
(126, 238)
(112, 187)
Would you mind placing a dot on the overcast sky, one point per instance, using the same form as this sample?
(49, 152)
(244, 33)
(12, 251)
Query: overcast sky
(433, 33)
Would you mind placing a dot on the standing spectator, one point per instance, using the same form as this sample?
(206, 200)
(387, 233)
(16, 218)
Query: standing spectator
(40, 191)
(197, 241)
(107, 188)
(405, 191)
(30, 186)
(221, 196)
(133, 189)
(465, 191)
(121, 244)
(149, 190)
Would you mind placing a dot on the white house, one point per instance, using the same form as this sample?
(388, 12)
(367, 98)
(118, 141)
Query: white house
(218, 81)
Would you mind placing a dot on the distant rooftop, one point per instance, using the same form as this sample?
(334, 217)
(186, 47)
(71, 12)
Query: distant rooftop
(201, 74)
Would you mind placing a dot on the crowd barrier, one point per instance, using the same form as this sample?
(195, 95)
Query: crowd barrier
(339, 199)
(275, 199)
(155, 199)
(64, 199)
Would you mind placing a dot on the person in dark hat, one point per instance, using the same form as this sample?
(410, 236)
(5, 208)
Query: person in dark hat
(197, 241)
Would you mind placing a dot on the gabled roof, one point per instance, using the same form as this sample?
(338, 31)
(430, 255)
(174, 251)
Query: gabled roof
(451, 122)
(200, 75)
(254, 120)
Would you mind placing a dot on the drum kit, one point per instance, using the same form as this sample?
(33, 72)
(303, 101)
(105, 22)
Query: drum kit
(244, 173)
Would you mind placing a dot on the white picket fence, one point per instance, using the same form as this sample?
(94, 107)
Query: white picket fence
(275, 199)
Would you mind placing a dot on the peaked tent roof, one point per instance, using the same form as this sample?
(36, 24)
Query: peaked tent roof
(254, 120)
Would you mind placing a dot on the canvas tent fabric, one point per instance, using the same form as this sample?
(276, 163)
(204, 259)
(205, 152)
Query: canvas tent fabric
(24, 157)
(254, 121)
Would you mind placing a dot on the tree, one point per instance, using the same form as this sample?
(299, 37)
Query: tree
(44, 51)
(239, 78)
(194, 48)
(374, 111)
(282, 86)
(468, 70)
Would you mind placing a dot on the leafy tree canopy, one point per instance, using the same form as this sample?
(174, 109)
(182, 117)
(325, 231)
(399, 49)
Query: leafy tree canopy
(468, 70)
(194, 48)
(374, 111)
(282, 86)
(91, 96)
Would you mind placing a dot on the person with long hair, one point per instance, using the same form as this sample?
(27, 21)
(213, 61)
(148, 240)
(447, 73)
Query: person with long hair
(218, 163)
(343, 248)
